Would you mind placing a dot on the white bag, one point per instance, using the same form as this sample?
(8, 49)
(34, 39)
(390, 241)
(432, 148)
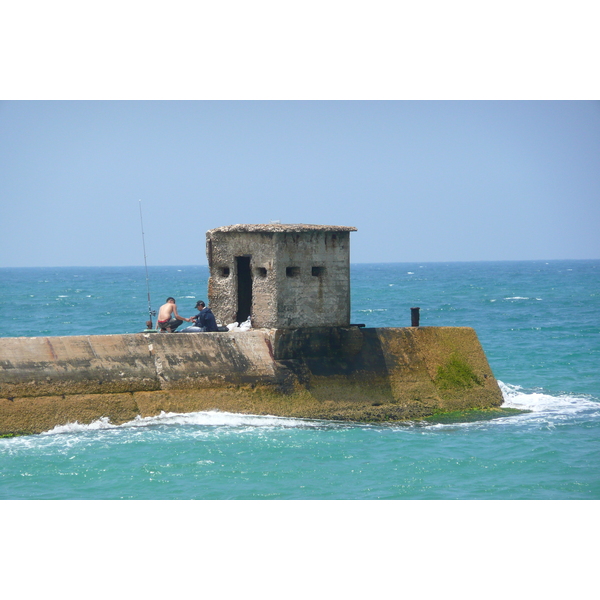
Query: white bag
(246, 325)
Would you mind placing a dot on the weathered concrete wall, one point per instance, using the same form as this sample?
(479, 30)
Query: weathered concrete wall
(300, 274)
(325, 373)
(313, 279)
(222, 249)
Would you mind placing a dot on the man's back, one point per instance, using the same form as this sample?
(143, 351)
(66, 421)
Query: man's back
(208, 320)
(165, 311)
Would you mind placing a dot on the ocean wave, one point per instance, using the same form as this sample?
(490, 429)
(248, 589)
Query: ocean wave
(218, 418)
(540, 402)
(204, 418)
(540, 409)
(76, 427)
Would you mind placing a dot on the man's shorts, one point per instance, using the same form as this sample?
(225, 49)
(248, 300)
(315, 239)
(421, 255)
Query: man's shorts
(172, 324)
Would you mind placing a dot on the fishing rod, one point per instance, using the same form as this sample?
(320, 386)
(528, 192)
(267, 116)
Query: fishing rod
(151, 312)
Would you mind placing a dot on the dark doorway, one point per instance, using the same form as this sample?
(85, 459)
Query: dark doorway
(244, 286)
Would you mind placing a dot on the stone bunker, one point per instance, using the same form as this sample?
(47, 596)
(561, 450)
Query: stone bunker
(282, 276)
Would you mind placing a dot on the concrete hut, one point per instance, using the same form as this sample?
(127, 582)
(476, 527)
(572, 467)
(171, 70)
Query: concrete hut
(282, 276)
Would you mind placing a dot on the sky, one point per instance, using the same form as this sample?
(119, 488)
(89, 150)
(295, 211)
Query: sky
(423, 181)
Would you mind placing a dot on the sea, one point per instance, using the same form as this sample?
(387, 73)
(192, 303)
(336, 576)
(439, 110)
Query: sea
(538, 322)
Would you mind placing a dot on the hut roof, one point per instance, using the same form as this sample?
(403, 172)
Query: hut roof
(279, 228)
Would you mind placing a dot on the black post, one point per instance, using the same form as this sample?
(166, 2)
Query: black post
(414, 316)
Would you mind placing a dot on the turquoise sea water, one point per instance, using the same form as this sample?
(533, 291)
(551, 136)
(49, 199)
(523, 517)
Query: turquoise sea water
(538, 321)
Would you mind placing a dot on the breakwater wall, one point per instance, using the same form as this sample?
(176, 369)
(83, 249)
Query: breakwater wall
(344, 373)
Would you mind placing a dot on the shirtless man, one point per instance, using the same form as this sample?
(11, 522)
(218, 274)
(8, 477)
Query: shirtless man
(168, 319)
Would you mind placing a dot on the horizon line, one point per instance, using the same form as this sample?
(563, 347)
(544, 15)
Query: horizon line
(411, 262)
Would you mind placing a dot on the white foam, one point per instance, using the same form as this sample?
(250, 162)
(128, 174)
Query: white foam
(214, 417)
(539, 402)
(102, 423)
(211, 418)
(543, 409)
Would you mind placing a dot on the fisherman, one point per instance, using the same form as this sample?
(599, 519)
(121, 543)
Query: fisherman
(168, 319)
(205, 318)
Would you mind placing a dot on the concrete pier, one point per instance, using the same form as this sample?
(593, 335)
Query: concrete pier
(343, 373)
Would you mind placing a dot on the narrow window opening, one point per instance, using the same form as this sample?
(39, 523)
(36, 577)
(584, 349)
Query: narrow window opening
(292, 271)
(318, 271)
(261, 272)
(224, 271)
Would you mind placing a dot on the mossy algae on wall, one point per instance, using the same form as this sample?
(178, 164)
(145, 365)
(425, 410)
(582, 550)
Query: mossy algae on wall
(456, 374)
(345, 373)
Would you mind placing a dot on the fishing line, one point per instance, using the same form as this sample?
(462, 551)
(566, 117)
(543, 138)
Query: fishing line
(151, 312)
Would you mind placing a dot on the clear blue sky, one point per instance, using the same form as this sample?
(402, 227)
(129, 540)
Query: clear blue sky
(422, 181)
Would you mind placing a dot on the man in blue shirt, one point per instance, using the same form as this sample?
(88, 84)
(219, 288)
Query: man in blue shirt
(203, 321)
